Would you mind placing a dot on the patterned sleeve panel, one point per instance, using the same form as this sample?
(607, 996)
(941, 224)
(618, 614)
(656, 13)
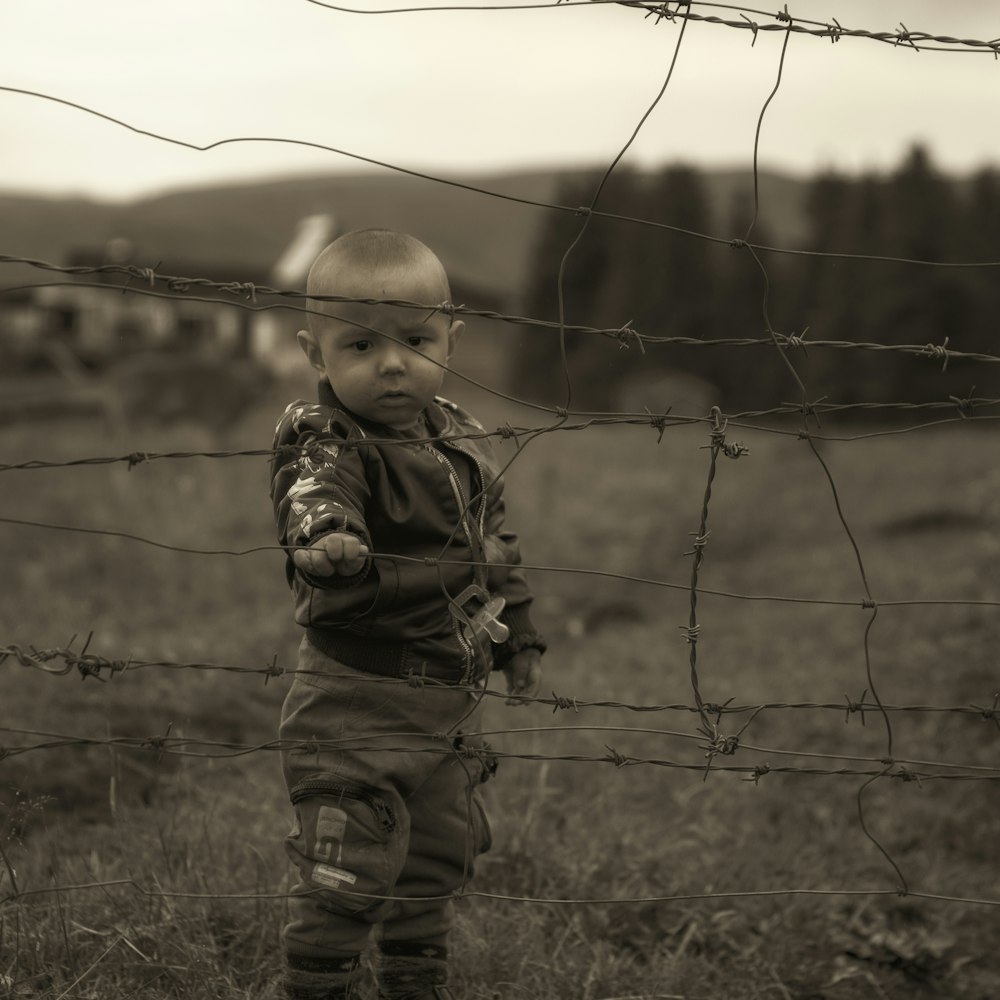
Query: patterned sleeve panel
(318, 482)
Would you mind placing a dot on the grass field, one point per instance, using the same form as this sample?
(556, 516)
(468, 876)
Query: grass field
(124, 859)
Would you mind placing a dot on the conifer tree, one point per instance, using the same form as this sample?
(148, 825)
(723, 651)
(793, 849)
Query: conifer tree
(980, 241)
(584, 274)
(659, 281)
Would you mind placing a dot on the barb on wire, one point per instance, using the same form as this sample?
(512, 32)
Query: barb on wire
(991, 714)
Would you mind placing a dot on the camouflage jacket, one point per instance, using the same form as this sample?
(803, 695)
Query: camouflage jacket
(413, 606)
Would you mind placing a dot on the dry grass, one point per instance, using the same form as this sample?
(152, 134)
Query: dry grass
(168, 834)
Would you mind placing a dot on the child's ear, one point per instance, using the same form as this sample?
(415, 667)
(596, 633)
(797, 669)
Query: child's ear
(307, 341)
(455, 332)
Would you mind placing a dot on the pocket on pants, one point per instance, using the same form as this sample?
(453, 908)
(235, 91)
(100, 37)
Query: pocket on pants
(481, 831)
(345, 841)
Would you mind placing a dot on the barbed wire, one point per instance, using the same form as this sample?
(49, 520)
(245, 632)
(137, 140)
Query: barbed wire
(658, 422)
(64, 661)
(864, 602)
(626, 336)
(782, 21)
(187, 746)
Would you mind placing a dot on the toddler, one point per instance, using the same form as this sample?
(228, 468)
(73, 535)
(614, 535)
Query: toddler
(409, 589)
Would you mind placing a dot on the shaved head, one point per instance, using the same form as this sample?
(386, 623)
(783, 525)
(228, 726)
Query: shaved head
(370, 263)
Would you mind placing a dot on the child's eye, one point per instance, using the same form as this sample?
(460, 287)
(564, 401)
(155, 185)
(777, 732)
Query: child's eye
(416, 340)
(361, 346)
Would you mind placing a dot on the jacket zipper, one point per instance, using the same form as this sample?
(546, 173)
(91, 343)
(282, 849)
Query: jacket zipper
(481, 516)
(464, 513)
(383, 813)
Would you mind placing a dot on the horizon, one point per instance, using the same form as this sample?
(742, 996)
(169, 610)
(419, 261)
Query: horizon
(527, 169)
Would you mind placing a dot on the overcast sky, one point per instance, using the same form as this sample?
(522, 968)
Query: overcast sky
(459, 90)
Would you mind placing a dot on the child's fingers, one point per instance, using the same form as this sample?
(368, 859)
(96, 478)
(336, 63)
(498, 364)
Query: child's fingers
(334, 553)
(313, 561)
(347, 553)
(519, 696)
(532, 681)
(524, 679)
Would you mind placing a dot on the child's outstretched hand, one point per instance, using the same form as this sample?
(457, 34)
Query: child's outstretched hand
(524, 675)
(335, 554)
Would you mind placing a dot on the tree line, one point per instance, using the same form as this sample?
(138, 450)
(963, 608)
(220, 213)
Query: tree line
(669, 284)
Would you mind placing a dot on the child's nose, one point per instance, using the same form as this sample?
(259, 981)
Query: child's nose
(392, 358)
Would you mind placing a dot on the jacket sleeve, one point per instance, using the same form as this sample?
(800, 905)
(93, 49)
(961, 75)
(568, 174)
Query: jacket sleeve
(503, 546)
(318, 484)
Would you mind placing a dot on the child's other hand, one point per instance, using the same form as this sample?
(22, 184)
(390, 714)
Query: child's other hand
(335, 554)
(524, 675)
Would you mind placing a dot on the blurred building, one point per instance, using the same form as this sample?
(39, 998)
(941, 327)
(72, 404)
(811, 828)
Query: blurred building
(92, 320)
(85, 317)
(273, 340)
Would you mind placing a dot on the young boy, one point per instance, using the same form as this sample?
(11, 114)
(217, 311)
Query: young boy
(408, 587)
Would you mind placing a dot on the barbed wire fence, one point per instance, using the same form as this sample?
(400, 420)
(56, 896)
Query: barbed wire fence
(722, 729)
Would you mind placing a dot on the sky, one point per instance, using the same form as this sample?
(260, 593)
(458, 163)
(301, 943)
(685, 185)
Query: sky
(474, 90)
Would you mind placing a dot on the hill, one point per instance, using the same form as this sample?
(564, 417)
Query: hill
(484, 242)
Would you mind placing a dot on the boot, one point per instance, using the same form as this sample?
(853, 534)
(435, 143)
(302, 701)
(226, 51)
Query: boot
(410, 970)
(322, 979)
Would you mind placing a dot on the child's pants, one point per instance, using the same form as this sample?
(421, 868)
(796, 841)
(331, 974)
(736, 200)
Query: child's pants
(375, 816)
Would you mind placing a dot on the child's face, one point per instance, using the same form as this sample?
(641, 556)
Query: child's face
(387, 376)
